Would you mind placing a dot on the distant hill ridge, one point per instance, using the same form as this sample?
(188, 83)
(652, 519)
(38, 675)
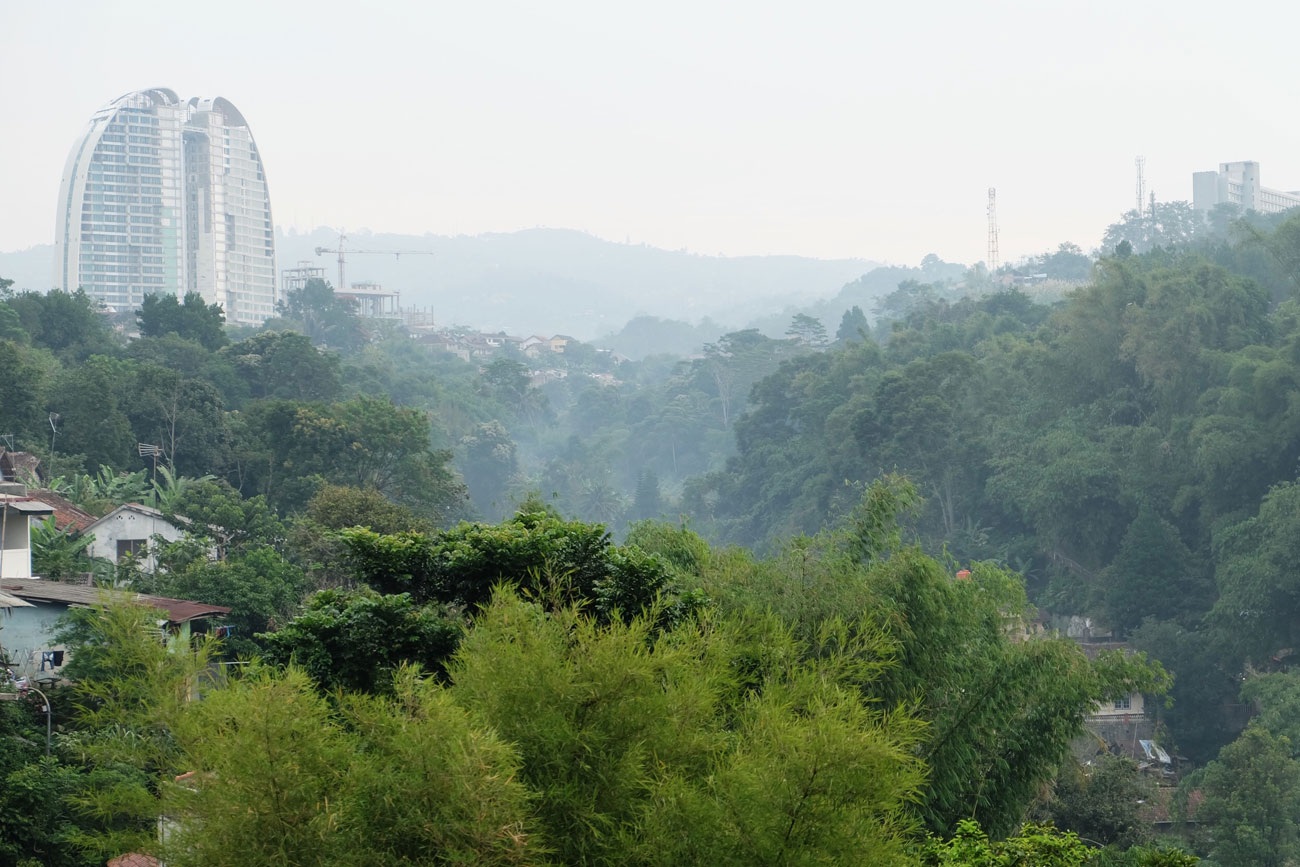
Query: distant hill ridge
(546, 280)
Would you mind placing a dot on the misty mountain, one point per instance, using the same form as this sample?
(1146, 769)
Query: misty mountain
(650, 335)
(563, 281)
(32, 268)
(544, 280)
(866, 292)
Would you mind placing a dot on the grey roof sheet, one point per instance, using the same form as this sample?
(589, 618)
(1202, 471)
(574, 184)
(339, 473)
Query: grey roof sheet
(7, 601)
(27, 505)
(44, 590)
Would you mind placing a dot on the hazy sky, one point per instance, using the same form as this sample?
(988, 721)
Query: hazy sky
(827, 129)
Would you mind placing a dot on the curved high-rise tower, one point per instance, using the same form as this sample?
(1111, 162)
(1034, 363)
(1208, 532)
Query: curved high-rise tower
(161, 195)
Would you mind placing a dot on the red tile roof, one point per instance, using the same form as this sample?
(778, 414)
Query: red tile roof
(134, 859)
(67, 514)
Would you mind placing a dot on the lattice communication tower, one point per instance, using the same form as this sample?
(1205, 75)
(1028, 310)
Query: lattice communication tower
(1141, 163)
(993, 231)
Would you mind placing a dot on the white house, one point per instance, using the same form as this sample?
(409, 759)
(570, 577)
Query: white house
(129, 529)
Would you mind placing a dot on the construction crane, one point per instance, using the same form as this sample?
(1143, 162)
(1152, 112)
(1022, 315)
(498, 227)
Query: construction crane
(343, 253)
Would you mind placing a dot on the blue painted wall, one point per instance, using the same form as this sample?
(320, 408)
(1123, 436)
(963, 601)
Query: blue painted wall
(25, 632)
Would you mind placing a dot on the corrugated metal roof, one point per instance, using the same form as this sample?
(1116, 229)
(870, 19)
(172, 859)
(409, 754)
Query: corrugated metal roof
(26, 505)
(44, 590)
(7, 601)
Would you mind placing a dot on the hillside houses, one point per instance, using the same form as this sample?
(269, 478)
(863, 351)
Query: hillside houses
(471, 346)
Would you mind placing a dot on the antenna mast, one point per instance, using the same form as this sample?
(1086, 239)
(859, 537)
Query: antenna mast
(993, 231)
(1141, 163)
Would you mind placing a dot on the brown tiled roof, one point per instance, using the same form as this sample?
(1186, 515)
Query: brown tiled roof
(67, 514)
(1158, 808)
(134, 859)
(43, 590)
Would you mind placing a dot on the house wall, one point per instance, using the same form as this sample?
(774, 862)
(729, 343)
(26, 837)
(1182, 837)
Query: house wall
(1115, 710)
(25, 632)
(1121, 728)
(128, 525)
(16, 557)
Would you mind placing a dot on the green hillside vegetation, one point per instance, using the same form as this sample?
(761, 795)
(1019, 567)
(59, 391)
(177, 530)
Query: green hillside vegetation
(731, 573)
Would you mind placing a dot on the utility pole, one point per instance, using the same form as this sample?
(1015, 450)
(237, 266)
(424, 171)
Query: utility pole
(993, 231)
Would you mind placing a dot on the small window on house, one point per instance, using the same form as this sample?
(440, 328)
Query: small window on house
(1123, 703)
(130, 546)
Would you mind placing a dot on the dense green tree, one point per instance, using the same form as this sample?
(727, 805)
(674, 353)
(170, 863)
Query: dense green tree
(192, 361)
(61, 555)
(184, 417)
(1068, 262)
(681, 764)
(284, 365)
(1164, 224)
(1101, 801)
(1000, 712)
(217, 511)
(86, 407)
(648, 501)
(130, 691)
(1277, 697)
(24, 376)
(191, 319)
(1153, 574)
(337, 507)
(807, 330)
(1204, 712)
(1256, 576)
(853, 325)
(559, 561)
(324, 317)
(489, 462)
(260, 588)
(733, 364)
(38, 821)
(1251, 802)
(406, 780)
(11, 326)
(286, 449)
(357, 639)
(67, 323)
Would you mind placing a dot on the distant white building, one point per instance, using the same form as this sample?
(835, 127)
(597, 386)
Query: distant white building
(164, 196)
(1238, 184)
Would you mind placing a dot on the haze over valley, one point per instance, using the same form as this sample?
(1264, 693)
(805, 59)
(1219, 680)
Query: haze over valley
(804, 434)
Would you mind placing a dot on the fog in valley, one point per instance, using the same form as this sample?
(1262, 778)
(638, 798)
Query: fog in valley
(690, 434)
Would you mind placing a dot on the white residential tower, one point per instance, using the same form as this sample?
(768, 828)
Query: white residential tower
(164, 196)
